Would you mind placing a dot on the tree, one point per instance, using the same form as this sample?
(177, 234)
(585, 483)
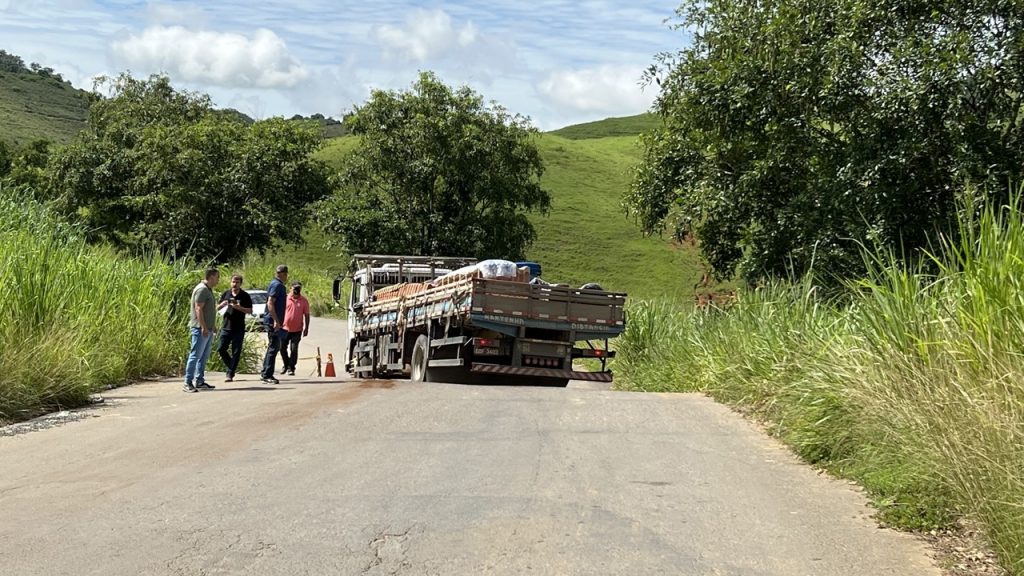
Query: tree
(794, 130)
(437, 172)
(27, 166)
(159, 168)
(11, 63)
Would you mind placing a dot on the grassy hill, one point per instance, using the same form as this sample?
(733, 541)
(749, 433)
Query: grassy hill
(586, 237)
(624, 126)
(34, 106)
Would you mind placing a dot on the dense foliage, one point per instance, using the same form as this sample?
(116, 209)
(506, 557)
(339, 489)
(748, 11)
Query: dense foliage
(437, 172)
(159, 168)
(795, 129)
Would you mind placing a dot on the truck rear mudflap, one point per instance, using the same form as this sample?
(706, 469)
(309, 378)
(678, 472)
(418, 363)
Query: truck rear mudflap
(540, 372)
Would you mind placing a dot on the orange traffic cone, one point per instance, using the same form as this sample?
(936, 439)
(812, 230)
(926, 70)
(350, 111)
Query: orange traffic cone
(329, 372)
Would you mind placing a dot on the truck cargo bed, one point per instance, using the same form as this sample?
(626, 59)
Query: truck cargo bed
(503, 305)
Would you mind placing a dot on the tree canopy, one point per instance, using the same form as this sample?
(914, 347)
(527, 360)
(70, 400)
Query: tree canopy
(158, 168)
(795, 130)
(437, 172)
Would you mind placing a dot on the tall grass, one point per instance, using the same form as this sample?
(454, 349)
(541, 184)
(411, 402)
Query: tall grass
(913, 384)
(77, 318)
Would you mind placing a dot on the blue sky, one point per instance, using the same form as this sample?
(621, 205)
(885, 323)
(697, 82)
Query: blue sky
(559, 62)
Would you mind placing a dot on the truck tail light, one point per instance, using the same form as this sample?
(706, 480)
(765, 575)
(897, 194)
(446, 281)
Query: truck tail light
(592, 353)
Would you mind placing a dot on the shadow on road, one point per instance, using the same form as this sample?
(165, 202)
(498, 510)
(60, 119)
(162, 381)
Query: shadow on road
(249, 389)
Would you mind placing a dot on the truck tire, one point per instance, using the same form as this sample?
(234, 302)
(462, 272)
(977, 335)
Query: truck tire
(420, 358)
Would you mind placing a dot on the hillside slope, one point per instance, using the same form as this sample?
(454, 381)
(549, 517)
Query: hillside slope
(624, 126)
(587, 237)
(34, 107)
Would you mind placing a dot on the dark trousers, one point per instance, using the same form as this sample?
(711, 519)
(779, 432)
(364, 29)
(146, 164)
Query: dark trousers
(274, 340)
(234, 339)
(290, 349)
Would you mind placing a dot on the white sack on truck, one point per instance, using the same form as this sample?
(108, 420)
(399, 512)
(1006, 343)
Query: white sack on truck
(498, 270)
(488, 269)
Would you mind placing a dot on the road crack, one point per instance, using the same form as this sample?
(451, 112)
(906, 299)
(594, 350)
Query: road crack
(389, 549)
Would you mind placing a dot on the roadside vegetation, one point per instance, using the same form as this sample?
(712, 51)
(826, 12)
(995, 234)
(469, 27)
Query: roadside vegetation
(78, 317)
(873, 149)
(911, 383)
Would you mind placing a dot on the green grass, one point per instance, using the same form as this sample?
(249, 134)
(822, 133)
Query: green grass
(913, 385)
(34, 107)
(78, 318)
(586, 237)
(625, 126)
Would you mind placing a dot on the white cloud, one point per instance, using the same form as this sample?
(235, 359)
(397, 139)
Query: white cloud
(427, 35)
(216, 58)
(603, 89)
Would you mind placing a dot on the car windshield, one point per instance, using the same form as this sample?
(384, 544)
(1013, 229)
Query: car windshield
(259, 298)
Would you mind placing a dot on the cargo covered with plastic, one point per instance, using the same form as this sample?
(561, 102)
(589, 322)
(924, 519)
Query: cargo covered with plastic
(488, 270)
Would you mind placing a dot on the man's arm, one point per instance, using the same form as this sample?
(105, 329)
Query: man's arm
(272, 308)
(305, 331)
(199, 305)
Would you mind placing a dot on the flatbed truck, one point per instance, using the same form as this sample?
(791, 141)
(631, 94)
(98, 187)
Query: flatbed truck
(473, 329)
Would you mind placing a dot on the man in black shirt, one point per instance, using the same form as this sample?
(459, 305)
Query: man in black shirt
(232, 331)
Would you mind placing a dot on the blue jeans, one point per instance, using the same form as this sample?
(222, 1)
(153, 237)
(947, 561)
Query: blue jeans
(275, 339)
(198, 353)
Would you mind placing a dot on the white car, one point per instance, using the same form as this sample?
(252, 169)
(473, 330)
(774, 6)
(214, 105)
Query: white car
(259, 305)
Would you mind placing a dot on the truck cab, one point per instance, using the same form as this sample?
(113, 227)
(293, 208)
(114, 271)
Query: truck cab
(370, 273)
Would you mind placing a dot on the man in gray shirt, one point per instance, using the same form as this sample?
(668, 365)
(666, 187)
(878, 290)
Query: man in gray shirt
(201, 326)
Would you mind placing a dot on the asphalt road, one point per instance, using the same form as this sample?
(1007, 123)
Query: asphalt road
(344, 477)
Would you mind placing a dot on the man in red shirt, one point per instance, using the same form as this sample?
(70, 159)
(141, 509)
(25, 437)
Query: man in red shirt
(296, 323)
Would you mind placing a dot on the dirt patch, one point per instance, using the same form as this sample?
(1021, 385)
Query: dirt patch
(963, 551)
(378, 385)
(52, 420)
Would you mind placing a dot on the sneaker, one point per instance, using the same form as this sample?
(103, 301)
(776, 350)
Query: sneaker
(270, 380)
(205, 386)
(291, 371)
(188, 387)
(230, 378)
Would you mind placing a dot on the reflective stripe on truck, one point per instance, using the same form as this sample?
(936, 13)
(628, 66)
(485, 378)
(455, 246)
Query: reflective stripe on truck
(541, 372)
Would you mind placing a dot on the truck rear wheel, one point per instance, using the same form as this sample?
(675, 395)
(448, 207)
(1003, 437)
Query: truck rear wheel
(420, 359)
(422, 372)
